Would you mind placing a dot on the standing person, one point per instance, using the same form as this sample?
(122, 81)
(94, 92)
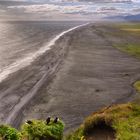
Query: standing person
(48, 120)
(56, 120)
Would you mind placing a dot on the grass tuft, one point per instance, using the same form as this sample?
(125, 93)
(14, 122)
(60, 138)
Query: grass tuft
(9, 133)
(36, 130)
(76, 135)
(40, 130)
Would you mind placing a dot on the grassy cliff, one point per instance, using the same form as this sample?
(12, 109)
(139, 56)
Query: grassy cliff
(123, 119)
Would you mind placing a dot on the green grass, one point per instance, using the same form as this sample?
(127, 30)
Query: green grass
(129, 25)
(76, 135)
(132, 28)
(38, 130)
(128, 32)
(132, 49)
(9, 133)
(122, 118)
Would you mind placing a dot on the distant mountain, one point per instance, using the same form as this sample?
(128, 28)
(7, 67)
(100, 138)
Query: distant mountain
(128, 17)
(133, 17)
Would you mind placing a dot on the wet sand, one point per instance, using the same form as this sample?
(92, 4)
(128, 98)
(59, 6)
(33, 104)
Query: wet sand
(93, 75)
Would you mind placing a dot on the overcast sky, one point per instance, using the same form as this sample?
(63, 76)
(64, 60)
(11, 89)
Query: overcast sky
(66, 9)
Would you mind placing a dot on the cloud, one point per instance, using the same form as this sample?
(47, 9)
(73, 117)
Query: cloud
(52, 8)
(115, 1)
(14, 0)
(75, 9)
(136, 10)
(53, 1)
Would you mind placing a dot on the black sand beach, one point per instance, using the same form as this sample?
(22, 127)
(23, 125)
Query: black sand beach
(93, 75)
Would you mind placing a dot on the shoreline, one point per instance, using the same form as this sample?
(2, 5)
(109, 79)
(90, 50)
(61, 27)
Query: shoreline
(54, 58)
(30, 58)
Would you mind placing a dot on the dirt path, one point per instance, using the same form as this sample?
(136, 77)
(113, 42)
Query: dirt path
(94, 75)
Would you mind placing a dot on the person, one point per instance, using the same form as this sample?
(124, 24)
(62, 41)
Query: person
(56, 120)
(29, 122)
(48, 120)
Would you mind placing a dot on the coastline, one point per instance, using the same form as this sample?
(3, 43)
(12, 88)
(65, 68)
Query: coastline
(85, 82)
(97, 72)
(92, 76)
(30, 58)
(41, 70)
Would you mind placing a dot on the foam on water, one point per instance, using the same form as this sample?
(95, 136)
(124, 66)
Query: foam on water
(21, 63)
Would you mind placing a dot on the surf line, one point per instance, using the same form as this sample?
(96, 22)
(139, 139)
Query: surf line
(19, 64)
(25, 99)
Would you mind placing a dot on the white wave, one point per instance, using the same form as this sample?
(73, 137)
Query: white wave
(19, 64)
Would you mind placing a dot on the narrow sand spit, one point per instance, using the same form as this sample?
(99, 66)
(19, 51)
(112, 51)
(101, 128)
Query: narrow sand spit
(94, 75)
